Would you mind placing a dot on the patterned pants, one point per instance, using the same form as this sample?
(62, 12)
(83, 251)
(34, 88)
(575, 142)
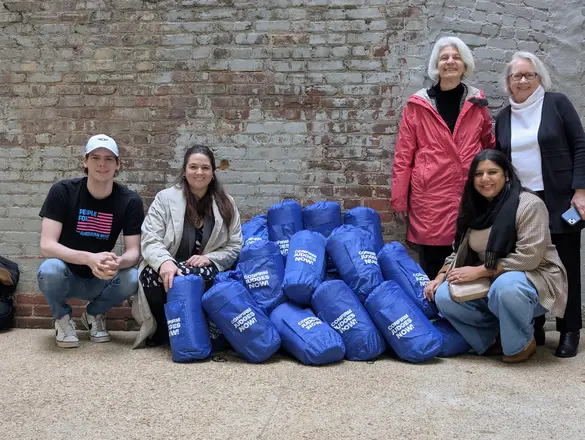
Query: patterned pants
(150, 278)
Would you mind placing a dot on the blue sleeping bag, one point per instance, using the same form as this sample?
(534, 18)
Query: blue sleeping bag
(284, 220)
(262, 272)
(187, 324)
(227, 275)
(410, 334)
(369, 220)
(241, 320)
(305, 266)
(322, 217)
(352, 252)
(397, 266)
(255, 229)
(305, 336)
(336, 304)
(453, 342)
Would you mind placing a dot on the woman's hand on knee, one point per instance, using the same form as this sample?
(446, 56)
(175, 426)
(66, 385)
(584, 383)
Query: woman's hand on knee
(167, 272)
(198, 261)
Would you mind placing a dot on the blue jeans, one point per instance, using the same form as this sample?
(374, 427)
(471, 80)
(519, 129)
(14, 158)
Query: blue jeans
(508, 310)
(58, 284)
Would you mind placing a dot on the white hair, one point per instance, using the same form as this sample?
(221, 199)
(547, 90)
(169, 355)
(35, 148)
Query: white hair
(463, 50)
(537, 65)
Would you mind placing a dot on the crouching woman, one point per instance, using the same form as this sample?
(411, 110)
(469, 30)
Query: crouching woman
(192, 227)
(502, 233)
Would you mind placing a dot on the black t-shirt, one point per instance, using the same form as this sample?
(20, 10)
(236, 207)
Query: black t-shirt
(448, 103)
(90, 224)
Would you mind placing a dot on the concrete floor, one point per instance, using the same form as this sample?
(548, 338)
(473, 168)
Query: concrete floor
(108, 391)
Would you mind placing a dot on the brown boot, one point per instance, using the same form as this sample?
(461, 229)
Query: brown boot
(522, 356)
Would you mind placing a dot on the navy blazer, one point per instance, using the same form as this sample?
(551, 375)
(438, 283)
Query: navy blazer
(562, 148)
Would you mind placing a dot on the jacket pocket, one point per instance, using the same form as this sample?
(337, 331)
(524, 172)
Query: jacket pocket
(419, 176)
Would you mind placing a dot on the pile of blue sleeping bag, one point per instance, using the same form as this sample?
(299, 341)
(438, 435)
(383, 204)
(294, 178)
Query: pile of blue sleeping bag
(319, 285)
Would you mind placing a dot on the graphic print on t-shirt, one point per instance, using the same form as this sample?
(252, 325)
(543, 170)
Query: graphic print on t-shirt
(94, 224)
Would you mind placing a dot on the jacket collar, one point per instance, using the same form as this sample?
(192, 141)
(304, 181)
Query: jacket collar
(178, 208)
(471, 94)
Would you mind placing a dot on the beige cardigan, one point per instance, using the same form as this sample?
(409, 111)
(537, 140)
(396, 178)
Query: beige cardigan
(534, 254)
(161, 236)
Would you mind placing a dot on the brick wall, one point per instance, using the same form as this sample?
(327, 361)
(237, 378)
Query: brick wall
(299, 98)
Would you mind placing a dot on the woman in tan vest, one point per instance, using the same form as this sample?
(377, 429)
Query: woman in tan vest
(502, 233)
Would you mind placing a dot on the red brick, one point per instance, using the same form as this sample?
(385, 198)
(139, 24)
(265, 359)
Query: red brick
(351, 203)
(77, 311)
(119, 313)
(116, 324)
(380, 51)
(30, 299)
(353, 191)
(378, 204)
(23, 310)
(42, 311)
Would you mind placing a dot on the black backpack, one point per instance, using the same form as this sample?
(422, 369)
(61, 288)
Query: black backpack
(9, 276)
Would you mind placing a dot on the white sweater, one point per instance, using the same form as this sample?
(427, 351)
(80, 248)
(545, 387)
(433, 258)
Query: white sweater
(525, 122)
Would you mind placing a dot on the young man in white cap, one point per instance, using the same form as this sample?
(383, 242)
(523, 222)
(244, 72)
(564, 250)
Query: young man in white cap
(82, 219)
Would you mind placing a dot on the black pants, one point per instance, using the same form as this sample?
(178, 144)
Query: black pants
(157, 297)
(569, 249)
(432, 258)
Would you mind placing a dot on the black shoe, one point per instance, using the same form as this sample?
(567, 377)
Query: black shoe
(568, 344)
(157, 339)
(539, 335)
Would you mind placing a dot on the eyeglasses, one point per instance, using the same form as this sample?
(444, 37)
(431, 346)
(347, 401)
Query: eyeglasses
(518, 76)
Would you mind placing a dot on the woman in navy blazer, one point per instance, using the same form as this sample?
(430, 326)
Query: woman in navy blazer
(541, 133)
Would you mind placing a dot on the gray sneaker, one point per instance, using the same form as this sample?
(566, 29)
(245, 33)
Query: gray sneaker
(66, 336)
(96, 326)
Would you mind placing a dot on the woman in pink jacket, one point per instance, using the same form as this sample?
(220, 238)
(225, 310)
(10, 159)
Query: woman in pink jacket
(442, 129)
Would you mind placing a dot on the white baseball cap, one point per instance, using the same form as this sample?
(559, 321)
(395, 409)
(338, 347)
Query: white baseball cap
(101, 141)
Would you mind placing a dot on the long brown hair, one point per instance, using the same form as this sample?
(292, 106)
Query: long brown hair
(197, 208)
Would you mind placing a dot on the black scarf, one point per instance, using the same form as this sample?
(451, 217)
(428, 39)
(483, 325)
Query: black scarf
(500, 214)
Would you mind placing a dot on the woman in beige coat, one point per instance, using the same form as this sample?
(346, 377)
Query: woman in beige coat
(502, 233)
(191, 228)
